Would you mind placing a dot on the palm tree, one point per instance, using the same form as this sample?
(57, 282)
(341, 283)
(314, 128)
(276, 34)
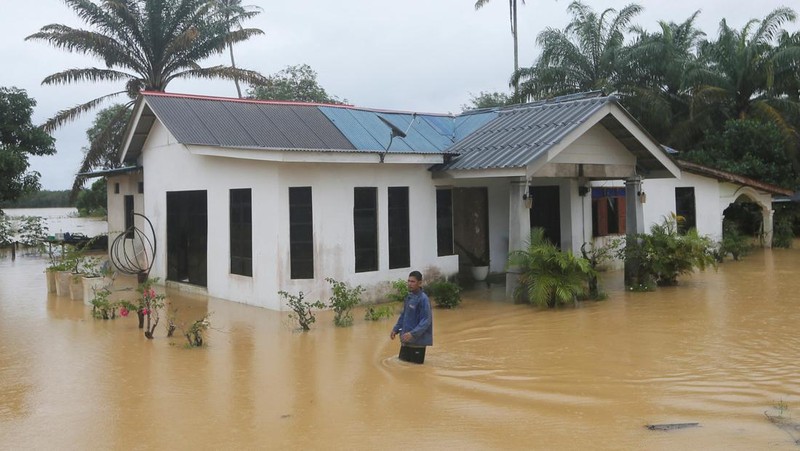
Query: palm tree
(743, 66)
(234, 14)
(582, 57)
(549, 277)
(145, 44)
(747, 72)
(655, 79)
(512, 9)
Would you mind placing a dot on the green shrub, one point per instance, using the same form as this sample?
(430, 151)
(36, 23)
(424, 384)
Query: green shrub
(102, 307)
(663, 255)
(398, 291)
(445, 294)
(301, 309)
(734, 242)
(782, 234)
(342, 301)
(375, 313)
(549, 277)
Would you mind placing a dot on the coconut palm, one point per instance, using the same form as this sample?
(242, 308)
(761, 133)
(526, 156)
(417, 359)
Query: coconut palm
(234, 14)
(582, 57)
(512, 9)
(144, 44)
(655, 79)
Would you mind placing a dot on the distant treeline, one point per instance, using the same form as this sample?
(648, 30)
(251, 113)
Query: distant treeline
(41, 199)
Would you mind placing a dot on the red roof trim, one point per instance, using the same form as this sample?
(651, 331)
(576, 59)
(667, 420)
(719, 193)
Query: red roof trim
(233, 99)
(285, 102)
(731, 177)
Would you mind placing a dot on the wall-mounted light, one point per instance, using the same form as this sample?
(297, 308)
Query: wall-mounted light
(642, 197)
(527, 198)
(583, 190)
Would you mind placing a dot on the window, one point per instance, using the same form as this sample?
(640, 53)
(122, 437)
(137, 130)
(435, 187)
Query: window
(301, 233)
(241, 232)
(685, 209)
(444, 222)
(365, 228)
(399, 246)
(608, 211)
(129, 216)
(141, 188)
(116, 188)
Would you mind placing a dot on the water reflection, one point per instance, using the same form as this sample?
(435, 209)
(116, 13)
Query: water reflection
(720, 349)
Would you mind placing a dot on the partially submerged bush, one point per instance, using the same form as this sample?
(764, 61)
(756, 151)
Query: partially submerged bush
(445, 294)
(301, 309)
(375, 313)
(549, 277)
(663, 255)
(343, 300)
(195, 334)
(102, 307)
(734, 242)
(398, 291)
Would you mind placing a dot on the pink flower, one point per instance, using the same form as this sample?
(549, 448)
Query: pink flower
(145, 311)
(123, 311)
(151, 293)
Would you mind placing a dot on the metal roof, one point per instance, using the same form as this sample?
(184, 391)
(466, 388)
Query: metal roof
(233, 123)
(507, 137)
(520, 134)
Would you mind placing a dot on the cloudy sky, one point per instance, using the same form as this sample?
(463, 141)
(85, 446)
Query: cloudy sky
(418, 55)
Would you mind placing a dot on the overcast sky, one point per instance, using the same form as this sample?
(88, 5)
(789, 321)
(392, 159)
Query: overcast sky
(416, 55)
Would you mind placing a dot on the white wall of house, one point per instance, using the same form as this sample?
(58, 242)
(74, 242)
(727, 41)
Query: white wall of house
(332, 191)
(708, 210)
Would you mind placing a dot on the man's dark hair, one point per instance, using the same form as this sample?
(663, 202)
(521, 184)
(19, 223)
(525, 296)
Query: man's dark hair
(415, 274)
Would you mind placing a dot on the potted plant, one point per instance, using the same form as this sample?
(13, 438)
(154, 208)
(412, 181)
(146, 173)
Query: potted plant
(97, 275)
(65, 269)
(479, 262)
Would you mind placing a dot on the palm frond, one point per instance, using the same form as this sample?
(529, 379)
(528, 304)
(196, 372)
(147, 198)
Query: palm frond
(70, 114)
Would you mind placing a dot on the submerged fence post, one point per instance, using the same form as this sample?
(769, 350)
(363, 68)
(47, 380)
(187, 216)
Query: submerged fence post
(13, 250)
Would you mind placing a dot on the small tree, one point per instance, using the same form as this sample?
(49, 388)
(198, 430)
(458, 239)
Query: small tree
(301, 309)
(342, 301)
(196, 332)
(549, 277)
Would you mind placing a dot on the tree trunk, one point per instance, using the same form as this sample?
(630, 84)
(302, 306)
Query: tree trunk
(233, 65)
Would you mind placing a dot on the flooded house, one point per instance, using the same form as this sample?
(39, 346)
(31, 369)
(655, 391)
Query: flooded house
(247, 197)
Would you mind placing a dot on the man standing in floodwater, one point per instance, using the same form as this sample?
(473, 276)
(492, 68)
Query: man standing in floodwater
(415, 325)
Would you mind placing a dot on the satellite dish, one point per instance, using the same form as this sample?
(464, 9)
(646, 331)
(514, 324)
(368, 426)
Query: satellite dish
(395, 131)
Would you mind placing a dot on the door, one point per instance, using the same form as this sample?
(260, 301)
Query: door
(187, 236)
(546, 212)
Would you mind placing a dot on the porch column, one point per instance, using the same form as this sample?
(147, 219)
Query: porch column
(634, 222)
(767, 215)
(519, 228)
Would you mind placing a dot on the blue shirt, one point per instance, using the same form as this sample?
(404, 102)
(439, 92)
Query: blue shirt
(417, 319)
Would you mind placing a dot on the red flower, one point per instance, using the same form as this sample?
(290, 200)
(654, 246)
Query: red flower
(123, 311)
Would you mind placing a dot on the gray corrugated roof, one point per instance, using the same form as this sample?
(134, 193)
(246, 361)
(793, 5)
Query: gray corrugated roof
(233, 123)
(519, 135)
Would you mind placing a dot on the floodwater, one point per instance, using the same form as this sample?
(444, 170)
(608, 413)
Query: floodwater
(720, 349)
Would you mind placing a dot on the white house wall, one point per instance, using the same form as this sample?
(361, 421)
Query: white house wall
(332, 186)
(660, 202)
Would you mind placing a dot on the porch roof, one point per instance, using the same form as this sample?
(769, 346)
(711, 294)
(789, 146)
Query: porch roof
(733, 178)
(522, 134)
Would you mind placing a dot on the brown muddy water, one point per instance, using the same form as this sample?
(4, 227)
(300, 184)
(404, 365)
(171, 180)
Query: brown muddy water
(720, 350)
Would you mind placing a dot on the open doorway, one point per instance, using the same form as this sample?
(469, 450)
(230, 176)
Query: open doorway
(187, 236)
(546, 212)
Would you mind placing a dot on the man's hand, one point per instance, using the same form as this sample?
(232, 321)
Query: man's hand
(406, 337)
(392, 335)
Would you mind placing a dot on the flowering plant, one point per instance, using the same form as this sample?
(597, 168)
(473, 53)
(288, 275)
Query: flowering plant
(149, 305)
